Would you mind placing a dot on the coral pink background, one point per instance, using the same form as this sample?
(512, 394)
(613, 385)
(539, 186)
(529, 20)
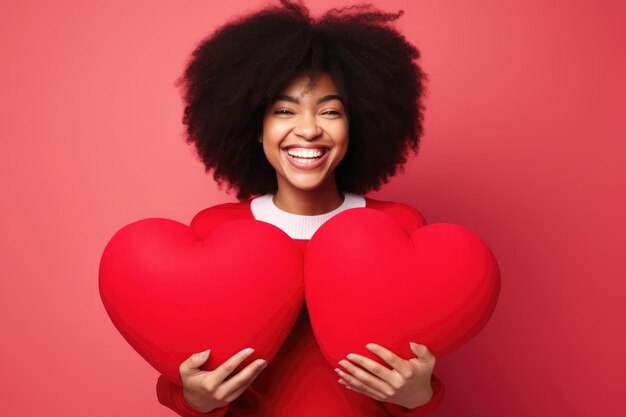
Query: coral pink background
(524, 144)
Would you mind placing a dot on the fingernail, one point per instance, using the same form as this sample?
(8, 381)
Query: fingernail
(248, 351)
(204, 354)
(420, 349)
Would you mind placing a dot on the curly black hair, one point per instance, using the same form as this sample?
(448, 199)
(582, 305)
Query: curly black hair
(233, 75)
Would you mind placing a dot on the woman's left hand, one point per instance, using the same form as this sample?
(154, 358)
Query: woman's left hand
(407, 384)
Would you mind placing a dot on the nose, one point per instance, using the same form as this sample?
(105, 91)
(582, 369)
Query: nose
(307, 127)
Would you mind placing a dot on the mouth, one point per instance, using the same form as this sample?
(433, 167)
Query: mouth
(306, 158)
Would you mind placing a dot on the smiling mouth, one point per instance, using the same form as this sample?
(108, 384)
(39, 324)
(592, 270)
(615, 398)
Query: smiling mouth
(306, 158)
(304, 154)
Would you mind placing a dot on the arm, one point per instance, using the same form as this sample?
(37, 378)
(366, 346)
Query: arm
(171, 396)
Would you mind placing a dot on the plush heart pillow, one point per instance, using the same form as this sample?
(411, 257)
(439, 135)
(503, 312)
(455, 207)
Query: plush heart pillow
(368, 280)
(171, 294)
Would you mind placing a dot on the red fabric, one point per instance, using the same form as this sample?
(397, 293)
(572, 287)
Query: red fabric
(298, 381)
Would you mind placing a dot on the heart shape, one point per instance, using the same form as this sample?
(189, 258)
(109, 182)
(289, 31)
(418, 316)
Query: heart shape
(369, 280)
(171, 293)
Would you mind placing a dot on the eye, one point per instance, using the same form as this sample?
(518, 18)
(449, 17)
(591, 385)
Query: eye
(332, 112)
(283, 111)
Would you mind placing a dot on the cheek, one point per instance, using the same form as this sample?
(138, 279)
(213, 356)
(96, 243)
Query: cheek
(270, 153)
(274, 132)
(342, 140)
(344, 149)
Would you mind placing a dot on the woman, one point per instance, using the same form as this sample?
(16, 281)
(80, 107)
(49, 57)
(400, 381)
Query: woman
(307, 116)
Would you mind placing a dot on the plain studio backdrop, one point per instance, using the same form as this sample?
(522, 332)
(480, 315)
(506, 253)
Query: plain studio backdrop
(524, 144)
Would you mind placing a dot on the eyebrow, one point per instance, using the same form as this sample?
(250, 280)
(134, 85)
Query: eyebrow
(319, 101)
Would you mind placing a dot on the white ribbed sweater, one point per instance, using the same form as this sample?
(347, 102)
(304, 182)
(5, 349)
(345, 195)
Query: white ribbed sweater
(298, 226)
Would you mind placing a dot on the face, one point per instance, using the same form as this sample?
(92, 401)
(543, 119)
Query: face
(305, 136)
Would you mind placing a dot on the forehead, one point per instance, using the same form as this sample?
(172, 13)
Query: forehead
(297, 86)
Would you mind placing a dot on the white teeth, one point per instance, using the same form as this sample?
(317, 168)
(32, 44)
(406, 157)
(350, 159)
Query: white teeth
(305, 153)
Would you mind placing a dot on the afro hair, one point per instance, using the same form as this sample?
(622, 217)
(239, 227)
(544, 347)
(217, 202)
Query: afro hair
(233, 75)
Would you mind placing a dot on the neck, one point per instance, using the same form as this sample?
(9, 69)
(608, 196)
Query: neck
(320, 200)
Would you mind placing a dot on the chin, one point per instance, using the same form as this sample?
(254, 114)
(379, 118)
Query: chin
(306, 187)
(305, 182)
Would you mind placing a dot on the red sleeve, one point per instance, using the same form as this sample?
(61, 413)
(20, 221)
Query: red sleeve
(396, 410)
(171, 396)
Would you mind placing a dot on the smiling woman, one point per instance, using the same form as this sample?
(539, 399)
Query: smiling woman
(236, 75)
(302, 117)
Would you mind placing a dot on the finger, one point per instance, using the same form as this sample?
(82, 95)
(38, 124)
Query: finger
(422, 353)
(356, 383)
(245, 377)
(190, 365)
(225, 369)
(382, 372)
(392, 359)
(238, 391)
(367, 378)
(355, 389)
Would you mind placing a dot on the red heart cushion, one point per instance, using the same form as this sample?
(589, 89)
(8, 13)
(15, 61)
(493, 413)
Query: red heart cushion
(368, 280)
(171, 294)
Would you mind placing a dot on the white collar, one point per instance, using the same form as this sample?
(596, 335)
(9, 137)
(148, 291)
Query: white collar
(298, 226)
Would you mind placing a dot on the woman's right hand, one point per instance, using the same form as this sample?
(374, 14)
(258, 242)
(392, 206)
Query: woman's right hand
(205, 390)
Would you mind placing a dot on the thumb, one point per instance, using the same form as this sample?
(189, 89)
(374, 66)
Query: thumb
(418, 349)
(422, 353)
(192, 363)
